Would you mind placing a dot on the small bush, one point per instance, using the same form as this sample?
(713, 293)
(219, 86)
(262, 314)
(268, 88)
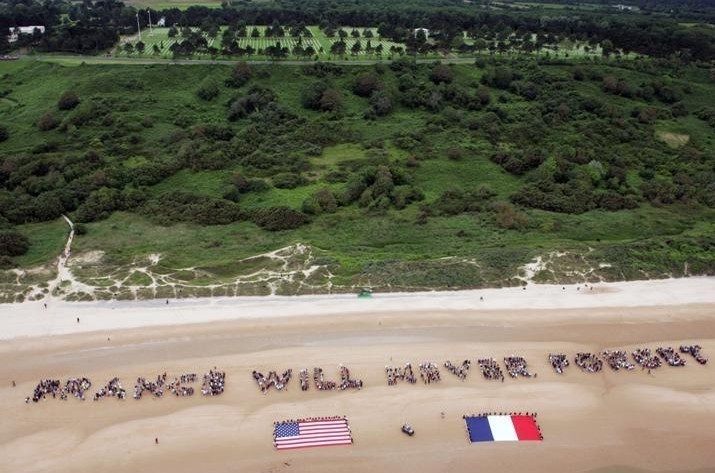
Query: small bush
(331, 101)
(454, 154)
(508, 217)
(442, 74)
(321, 201)
(13, 243)
(381, 103)
(80, 229)
(288, 180)
(6, 262)
(240, 75)
(47, 122)
(366, 84)
(279, 218)
(68, 100)
(208, 89)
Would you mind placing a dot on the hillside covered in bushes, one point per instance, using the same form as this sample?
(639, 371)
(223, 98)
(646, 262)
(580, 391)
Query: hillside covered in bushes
(385, 170)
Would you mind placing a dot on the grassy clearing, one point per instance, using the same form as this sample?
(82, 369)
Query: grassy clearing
(47, 240)
(674, 140)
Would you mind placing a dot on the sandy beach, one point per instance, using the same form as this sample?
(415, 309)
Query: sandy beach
(604, 422)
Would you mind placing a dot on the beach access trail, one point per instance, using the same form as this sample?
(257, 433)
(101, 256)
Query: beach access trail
(604, 422)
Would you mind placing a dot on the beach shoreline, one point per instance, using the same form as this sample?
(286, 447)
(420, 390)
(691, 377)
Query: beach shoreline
(31, 319)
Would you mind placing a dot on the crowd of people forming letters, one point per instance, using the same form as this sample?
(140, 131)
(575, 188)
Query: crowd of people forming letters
(618, 359)
(213, 385)
(321, 384)
(516, 366)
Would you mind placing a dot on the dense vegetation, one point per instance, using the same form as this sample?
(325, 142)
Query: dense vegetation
(386, 169)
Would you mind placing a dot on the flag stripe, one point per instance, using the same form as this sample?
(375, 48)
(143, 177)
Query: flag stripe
(301, 438)
(321, 428)
(526, 428)
(327, 428)
(323, 422)
(478, 428)
(502, 429)
(320, 440)
(326, 444)
(312, 434)
(318, 427)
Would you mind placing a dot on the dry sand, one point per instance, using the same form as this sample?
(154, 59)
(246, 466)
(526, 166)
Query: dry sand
(30, 319)
(605, 422)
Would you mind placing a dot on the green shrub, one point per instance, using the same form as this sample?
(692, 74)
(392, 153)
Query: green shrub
(279, 218)
(441, 73)
(68, 100)
(99, 205)
(322, 201)
(47, 122)
(367, 83)
(13, 243)
(180, 206)
(288, 180)
(240, 75)
(508, 217)
(208, 89)
(80, 229)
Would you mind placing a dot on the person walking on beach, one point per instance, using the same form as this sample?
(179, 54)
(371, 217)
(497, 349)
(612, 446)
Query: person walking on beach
(156, 440)
(77, 319)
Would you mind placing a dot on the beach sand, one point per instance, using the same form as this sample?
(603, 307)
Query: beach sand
(607, 422)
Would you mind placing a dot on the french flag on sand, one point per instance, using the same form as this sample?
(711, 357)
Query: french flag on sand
(502, 428)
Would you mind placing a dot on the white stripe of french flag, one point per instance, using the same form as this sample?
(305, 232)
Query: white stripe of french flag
(502, 429)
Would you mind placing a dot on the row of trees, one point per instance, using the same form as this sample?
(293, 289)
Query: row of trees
(95, 26)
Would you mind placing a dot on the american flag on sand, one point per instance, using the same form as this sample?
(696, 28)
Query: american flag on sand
(306, 433)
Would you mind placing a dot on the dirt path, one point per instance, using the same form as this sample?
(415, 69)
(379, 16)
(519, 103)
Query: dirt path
(63, 273)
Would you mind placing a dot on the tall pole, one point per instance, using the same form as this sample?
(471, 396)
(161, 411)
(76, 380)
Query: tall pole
(151, 32)
(139, 30)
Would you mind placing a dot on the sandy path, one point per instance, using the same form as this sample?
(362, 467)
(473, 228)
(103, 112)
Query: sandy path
(606, 422)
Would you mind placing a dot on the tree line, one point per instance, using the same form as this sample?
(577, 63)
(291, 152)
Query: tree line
(95, 26)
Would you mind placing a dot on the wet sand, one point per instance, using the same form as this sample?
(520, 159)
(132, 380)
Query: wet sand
(607, 422)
